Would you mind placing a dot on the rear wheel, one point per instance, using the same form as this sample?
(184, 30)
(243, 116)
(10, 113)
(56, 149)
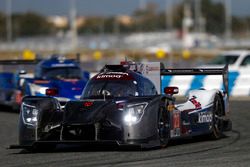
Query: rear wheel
(217, 124)
(163, 127)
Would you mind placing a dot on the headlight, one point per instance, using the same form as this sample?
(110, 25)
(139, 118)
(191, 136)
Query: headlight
(30, 114)
(134, 113)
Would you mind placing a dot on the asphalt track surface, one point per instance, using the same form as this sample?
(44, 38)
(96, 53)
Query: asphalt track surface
(233, 150)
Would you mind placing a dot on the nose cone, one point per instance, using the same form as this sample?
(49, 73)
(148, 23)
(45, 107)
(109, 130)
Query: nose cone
(76, 112)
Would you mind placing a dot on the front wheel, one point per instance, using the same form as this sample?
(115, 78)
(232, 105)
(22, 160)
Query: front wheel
(163, 127)
(217, 124)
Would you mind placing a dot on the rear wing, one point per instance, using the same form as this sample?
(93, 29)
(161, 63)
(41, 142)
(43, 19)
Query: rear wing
(162, 77)
(200, 71)
(19, 62)
(13, 66)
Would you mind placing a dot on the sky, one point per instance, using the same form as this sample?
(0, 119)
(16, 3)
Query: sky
(102, 7)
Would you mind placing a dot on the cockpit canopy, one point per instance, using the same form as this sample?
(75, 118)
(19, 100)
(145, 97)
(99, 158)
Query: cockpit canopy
(118, 84)
(58, 68)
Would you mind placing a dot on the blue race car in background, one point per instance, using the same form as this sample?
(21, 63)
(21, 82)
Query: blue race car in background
(59, 77)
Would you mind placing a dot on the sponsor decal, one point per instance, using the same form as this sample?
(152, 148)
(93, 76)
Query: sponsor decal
(205, 117)
(63, 65)
(108, 76)
(175, 133)
(113, 76)
(41, 81)
(195, 102)
(176, 120)
(76, 89)
(73, 81)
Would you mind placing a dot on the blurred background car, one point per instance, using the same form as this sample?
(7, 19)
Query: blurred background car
(64, 76)
(236, 59)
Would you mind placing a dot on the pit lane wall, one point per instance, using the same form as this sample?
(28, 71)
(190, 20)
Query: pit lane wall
(238, 82)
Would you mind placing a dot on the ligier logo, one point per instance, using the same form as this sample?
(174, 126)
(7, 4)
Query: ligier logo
(205, 117)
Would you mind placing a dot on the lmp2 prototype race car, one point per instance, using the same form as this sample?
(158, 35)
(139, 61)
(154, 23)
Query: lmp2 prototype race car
(123, 105)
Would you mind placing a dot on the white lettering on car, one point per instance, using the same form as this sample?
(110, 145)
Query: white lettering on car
(205, 117)
(109, 76)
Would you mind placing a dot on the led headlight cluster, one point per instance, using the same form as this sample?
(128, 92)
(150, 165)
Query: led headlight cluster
(30, 114)
(134, 113)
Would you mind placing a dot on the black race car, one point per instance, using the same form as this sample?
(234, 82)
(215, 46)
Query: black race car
(118, 106)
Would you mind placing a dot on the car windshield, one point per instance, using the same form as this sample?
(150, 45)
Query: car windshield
(220, 60)
(112, 88)
(62, 73)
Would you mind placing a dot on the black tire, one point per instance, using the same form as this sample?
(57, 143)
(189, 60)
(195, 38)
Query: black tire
(217, 122)
(163, 127)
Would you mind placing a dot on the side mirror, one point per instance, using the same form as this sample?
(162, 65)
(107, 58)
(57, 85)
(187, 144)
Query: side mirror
(171, 90)
(22, 72)
(51, 92)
